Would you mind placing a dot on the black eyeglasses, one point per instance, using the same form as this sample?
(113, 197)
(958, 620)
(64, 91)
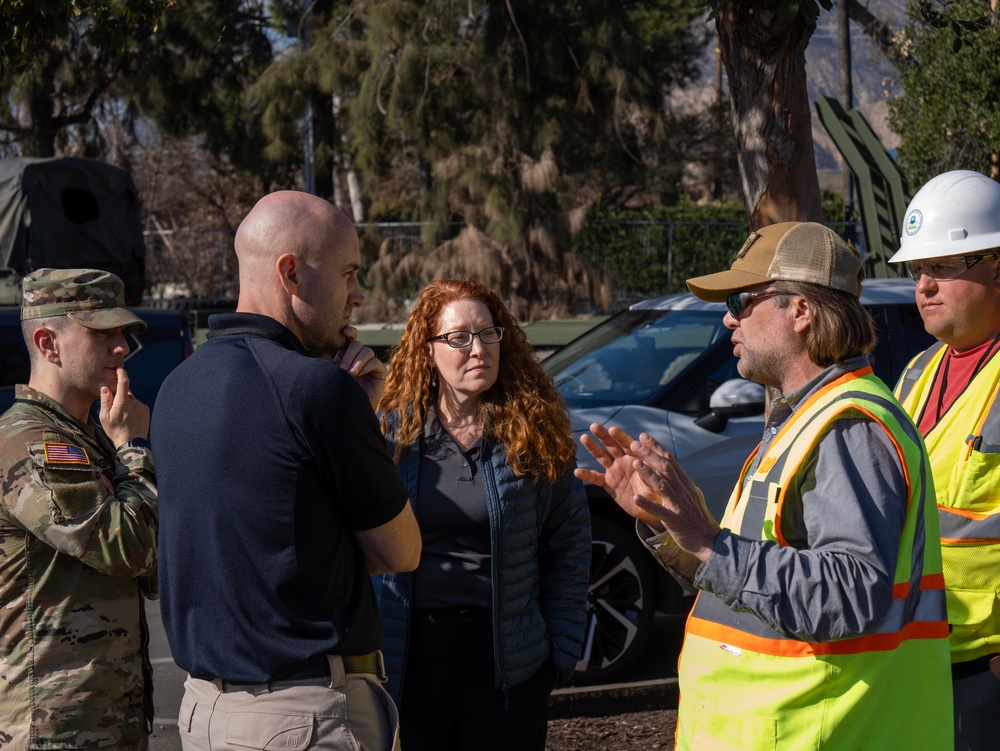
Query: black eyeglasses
(462, 339)
(740, 301)
(950, 268)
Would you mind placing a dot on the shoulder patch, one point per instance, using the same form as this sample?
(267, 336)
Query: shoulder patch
(65, 454)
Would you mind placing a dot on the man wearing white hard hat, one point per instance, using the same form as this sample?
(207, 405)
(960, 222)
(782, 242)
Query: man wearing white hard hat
(951, 247)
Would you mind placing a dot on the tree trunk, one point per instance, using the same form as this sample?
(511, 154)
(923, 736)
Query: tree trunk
(354, 191)
(34, 105)
(765, 60)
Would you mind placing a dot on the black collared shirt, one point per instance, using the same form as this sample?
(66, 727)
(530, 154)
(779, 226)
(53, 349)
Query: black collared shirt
(454, 522)
(268, 461)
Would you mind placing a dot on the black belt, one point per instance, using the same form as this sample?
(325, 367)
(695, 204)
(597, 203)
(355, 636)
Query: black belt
(452, 616)
(968, 669)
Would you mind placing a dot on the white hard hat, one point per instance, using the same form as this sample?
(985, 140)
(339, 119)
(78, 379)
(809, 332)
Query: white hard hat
(955, 213)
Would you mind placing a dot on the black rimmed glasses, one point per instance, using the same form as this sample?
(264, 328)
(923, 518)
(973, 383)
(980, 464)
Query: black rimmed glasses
(462, 339)
(948, 268)
(740, 301)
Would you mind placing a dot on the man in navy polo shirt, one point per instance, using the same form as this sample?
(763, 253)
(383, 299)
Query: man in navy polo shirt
(278, 501)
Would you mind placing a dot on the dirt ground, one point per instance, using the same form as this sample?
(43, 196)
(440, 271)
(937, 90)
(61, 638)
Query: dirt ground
(635, 719)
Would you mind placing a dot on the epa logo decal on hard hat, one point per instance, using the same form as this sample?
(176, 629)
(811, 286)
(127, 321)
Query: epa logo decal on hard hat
(914, 222)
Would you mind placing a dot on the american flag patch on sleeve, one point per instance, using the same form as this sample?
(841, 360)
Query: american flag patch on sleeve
(66, 453)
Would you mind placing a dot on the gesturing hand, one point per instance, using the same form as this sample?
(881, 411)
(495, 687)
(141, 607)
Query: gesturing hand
(620, 478)
(651, 486)
(677, 502)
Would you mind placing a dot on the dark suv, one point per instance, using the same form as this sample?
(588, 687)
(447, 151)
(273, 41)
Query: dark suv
(152, 354)
(666, 367)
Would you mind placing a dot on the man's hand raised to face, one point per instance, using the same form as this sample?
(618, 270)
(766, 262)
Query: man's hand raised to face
(122, 416)
(360, 361)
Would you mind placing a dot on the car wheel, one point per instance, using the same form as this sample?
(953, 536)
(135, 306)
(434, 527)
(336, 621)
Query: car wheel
(620, 603)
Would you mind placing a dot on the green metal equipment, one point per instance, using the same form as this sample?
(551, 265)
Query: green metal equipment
(882, 189)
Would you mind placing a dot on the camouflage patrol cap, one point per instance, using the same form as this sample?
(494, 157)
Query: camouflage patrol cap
(92, 298)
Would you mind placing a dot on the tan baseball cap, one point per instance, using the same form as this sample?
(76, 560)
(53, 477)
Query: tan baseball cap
(92, 298)
(788, 252)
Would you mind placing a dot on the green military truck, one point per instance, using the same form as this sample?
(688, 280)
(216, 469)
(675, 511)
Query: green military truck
(68, 212)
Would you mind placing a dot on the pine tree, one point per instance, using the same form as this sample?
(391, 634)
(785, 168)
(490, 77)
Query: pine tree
(511, 118)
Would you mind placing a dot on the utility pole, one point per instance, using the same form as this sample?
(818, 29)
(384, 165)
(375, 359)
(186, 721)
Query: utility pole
(994, 157)
(308, 138)
(846, 94)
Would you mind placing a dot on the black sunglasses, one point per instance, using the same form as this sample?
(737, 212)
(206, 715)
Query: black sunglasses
(740, 301)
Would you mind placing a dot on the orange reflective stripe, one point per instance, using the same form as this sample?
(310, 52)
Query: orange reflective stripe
(795, 648)
(964, 512)
(928, 582)
(970, 540)
(961, 526)
(932, 581)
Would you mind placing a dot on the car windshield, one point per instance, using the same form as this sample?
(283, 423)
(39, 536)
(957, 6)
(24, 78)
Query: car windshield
(633, 356)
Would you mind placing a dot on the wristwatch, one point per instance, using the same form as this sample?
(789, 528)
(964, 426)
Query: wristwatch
(135, 443)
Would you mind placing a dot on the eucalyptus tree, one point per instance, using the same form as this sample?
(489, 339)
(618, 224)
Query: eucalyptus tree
(763, 43)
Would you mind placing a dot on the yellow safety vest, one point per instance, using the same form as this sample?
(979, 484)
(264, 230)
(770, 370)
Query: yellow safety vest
(745, 686)
(964, 448)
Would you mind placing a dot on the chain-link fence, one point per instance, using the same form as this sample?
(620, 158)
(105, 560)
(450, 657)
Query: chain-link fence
(642, 259)
(652, 258)
(199, 263)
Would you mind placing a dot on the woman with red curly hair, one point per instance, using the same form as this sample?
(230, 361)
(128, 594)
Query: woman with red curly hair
(493, 617)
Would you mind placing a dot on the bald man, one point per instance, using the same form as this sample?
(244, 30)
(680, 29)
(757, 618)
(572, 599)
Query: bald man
(278, 501)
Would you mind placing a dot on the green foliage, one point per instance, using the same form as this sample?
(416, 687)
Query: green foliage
(652, 251)
(29, 28)
(184, 65)
(949, 114)
(319, 61)
(786, 9)
(59, 61)
(194, 72)
(422, 81)
(463, 93)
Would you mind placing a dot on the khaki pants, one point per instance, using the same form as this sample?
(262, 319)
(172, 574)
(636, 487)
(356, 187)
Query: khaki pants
(344, 713)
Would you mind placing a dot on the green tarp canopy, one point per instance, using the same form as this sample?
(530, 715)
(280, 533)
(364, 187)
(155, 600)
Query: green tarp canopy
(71, 213)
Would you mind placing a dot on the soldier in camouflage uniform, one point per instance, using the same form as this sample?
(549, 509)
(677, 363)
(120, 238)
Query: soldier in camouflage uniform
(78, 523)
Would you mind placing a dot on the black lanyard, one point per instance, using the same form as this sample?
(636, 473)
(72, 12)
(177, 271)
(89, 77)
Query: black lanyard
(944, 374)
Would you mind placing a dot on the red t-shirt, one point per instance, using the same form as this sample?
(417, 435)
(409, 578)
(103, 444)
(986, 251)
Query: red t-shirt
(956, 372)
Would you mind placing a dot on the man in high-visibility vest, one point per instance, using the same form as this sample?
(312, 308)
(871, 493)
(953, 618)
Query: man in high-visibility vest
(951, 247)
(820, 618)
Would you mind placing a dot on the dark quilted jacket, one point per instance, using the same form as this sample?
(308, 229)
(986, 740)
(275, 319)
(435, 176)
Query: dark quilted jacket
(540, 539)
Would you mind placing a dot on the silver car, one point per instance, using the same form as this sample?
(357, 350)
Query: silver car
(666, 367)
